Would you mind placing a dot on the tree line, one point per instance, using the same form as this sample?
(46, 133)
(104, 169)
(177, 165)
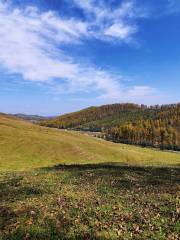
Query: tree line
(156, 126)
(154, 133)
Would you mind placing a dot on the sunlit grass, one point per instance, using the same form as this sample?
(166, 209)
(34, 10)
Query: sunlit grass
(24, 146)
(80, 187)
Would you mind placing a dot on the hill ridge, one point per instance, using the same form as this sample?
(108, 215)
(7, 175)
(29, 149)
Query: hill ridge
(162, 122)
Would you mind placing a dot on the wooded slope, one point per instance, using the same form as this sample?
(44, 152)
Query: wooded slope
(157, 126)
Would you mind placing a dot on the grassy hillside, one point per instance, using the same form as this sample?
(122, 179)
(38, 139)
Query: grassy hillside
(25, 146)
(90, 202)
(80, 187)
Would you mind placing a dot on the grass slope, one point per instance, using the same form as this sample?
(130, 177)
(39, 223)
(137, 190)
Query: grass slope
(96, 200)
(25, 146)
(90, 202)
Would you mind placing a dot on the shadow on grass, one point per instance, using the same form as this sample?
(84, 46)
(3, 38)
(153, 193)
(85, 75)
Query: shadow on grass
(12, 189)
(129, 174)
(132, 185)
(109, 165)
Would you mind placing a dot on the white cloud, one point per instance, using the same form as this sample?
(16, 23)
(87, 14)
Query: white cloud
(119, 31)
(107, 23)
(31, 45)
(141, 91)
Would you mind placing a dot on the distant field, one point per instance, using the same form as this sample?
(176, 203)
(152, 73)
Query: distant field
(80, 187)
(24, 146)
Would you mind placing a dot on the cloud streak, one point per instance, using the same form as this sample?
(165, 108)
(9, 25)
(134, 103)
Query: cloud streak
(111, 24)
(32, 45)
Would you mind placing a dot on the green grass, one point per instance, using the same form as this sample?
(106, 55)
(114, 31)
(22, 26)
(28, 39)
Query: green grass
(24, 146)
(71, 186)
(90, 202)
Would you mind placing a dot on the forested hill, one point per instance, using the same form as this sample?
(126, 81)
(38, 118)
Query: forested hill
(128, 123)
(94, 118)
(106, 116)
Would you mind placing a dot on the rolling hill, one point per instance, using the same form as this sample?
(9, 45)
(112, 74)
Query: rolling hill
(33, 118)
(24, 145)
(155, 126)
(94, 118)
(58, 184)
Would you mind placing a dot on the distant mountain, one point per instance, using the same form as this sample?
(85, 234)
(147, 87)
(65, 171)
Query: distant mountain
(33, 118)
(157, 126)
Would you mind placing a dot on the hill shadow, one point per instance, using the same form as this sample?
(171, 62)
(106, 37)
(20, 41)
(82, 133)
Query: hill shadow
(133, 185)
(12, 189)
(142, 174)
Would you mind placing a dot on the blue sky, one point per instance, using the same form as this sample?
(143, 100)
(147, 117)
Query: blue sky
(61, 56)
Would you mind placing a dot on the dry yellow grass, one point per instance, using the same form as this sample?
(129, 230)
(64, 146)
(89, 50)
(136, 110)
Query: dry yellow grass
(25, 146)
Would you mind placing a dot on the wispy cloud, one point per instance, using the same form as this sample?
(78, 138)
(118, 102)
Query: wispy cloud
(173, 6)
(157, 9)
(140, 91)
(107, 23)
(32, 45)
